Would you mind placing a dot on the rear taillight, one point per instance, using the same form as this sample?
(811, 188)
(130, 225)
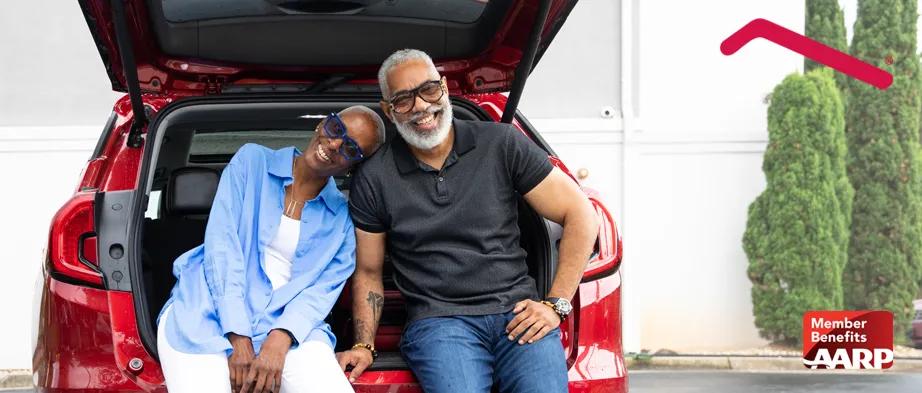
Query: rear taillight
(72, 247)
(606, 257)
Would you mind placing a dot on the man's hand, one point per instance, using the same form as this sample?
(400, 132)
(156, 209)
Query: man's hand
(265, 375)
(532, 322)
(239, 360)
(358, 358)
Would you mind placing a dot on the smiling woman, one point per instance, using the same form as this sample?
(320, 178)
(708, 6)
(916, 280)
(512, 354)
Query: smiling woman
(249, 304)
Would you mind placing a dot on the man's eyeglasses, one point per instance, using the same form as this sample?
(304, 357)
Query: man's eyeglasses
(333, 127)
(431, 92)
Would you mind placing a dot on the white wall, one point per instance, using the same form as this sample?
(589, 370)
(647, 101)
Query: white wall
(698, 155)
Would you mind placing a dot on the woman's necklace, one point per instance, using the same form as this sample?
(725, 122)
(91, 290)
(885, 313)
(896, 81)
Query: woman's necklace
(292, 207)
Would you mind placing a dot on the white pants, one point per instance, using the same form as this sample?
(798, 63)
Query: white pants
(311, 367)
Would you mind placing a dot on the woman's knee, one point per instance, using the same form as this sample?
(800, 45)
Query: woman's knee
(312, 367)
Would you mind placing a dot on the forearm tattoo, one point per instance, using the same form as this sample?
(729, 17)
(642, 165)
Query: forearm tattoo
(376, 302)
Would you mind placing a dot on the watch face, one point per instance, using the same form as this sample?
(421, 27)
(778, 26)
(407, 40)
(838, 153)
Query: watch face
(563, 306)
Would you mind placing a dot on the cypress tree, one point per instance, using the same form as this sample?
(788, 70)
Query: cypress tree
(885, 250)
(825, 23)
(796, 231)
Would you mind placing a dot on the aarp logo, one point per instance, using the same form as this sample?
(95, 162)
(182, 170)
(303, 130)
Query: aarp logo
(848, 340)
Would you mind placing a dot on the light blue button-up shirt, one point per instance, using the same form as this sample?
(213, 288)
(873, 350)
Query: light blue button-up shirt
(222, 285)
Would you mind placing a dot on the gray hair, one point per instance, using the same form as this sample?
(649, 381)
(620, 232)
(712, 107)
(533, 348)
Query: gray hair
(397, 58)
(371, 115)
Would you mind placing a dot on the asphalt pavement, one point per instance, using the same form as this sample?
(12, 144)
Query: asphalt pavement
(772, 382)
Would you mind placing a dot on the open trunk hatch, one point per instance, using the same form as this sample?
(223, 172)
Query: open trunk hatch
(198, 47)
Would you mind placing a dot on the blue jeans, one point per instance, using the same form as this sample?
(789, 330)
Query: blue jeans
(469, 354)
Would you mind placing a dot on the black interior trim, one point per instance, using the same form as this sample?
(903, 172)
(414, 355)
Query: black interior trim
(104, 136)
(58, 276)
(387, 361)
(114, 219)
(80, 250)
(603, 274)
(533, 133)
(331, 39)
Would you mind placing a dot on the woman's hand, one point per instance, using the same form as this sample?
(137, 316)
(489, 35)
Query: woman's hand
(239, 360)
(265, 375)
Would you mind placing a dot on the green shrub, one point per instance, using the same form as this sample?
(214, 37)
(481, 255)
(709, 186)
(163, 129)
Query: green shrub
(797, 229)
(825, 23)
(885, 251)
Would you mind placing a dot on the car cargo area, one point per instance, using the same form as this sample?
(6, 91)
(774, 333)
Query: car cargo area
(187, 147)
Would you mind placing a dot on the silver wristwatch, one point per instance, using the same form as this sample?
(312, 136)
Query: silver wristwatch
(561, 306)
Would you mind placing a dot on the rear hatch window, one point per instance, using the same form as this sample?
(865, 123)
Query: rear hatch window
(217, 147)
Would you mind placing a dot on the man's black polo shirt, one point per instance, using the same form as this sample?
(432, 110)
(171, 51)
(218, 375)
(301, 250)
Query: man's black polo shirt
(452, 234)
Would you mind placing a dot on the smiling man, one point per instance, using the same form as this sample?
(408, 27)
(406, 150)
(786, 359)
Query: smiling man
(442, 197)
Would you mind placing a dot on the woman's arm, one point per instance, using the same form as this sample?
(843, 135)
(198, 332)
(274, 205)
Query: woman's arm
(224, 265)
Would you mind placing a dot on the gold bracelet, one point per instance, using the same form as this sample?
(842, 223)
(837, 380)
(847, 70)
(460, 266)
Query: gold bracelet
(369, 347)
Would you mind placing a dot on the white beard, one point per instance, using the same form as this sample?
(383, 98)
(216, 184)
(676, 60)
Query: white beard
(427, 141)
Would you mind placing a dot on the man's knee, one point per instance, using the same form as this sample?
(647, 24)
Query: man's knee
(537, 367)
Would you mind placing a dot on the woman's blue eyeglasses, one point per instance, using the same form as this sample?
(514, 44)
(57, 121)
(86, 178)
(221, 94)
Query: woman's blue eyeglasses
(333, 127)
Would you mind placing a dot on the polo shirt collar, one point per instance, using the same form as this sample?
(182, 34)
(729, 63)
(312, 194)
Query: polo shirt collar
(464, 142)
(280, 165)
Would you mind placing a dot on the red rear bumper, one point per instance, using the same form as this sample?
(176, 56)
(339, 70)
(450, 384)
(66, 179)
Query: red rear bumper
(75, 351)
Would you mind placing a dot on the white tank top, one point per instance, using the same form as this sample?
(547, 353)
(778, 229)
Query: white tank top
(280, 252)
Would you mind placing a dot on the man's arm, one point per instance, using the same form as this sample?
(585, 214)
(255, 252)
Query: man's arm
(558, 199)
(367, 299)
(367, 285)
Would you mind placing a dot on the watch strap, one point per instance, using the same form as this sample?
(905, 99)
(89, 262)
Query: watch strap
(552, 302)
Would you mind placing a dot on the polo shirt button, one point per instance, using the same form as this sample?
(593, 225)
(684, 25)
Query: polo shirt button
(441, 178)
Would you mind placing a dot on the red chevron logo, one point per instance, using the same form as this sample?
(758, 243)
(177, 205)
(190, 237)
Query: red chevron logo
(813, 50)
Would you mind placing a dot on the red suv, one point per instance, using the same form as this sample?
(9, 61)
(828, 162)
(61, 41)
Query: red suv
(204, 79)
